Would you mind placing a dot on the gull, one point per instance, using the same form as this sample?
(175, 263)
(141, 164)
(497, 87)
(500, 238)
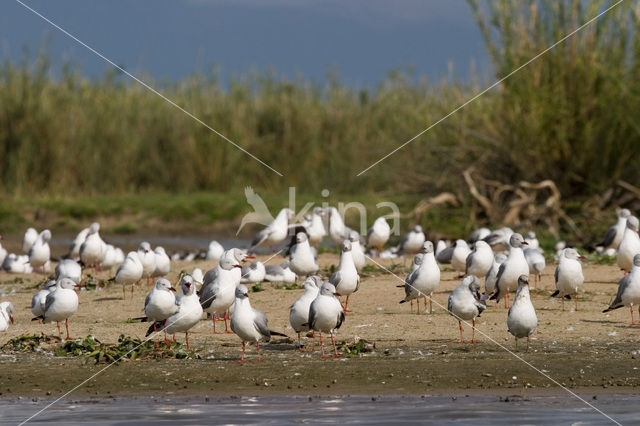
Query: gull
(253, 273)
(630, 244)
(129, 272)
(188, 312)
(459, 256)
(249, 324)
(30, 237)
(359, 258)
(568, 274)
(537, 263)
(490, 278)
(197, 275)
(40, 252)
(218, 295)
(338, 231)
(346, 279)
(275, 232)
(532, 241)
(424, 279)
(412, 242)
(279, 273)
(93, 249)
(299, 311)
(513, 267)
(162, 263)
(110, 258)
(379, 234)
(480, 260)
(148, 260)
(39, 299)
(465, 303)
(315, 226)
(613, 236)
(74, 249)
(69, 268)
(326, 314)
(60, 304)
(499, 239)
(214, 251)
(478, 235)
(444, 252)
(628, 290)
(6, 315)
(302, 261)
(160, 304)
(235, 256)
(17, 264)
(522, 320)
(3, 252)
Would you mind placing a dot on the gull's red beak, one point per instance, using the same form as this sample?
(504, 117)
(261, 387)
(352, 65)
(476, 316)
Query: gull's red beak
(337, 294)
(237, 266)
(11, 319)
(246, 295)
(582, 257)
(525, 243)
(172, 289)
(249, 257)
(78, 286)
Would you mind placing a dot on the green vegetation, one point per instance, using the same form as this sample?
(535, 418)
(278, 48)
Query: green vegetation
(77, 148)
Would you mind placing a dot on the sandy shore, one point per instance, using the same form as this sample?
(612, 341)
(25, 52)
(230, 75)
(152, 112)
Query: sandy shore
(412, 354)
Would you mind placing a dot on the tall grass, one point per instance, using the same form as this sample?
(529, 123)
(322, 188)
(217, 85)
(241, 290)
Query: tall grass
(569, 116)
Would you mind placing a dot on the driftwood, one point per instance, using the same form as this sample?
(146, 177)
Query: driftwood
(424, 205)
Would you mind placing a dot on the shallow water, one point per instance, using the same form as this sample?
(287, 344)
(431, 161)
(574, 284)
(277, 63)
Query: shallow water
(476, 409)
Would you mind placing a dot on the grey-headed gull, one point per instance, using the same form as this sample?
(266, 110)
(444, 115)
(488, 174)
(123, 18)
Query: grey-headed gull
(39, 299)
(93, 249)
(17, 264)
(60, 304)
(110, 258)
(478, 235)
(40, 252)
(356, 251)
(253, 273)
(30, 237)
(275, 232)
(69, 268)
(214, 251)
(459, 256)
(314, 225)
(129, 272)
(412, 242)
(444, 253)
(499, 239)
(74, 248)
(522, 319)
(338, 231)
(187, 315)
(379, 234)
(490, 278)
(162, 263)
(532, 240)
(512, 268)
(465, 303)
(480, 260)
(630, 244)
(537, 263)
(613, 236)
(160, 303)
(326, 314)
(280, 273)
(346, 279)
(302, 260)
(569, 275)
(249, 324)
(148, 259)
(628, 290)
(6, 315)
(424, 279)
(198, 275)
(236, 256)
(217, 296)
(299, 311)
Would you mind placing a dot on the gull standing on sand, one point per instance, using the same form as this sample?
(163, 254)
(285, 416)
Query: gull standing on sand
(6, 315)
(60, 304)
(522, 320)
(74, 249)
(326, 314)
(338, 231)
(30, 237)
(465, 303)
(412, 242)
(280, 273)
(187, 315)
(315, 226)
(480, 260)
(569, 275)
(532, 241)
(129, 272)
(379, 234)
(39, 299)
(459, 256)
(40, 252)
(424, 279)
(490, 278)
(275, 232)
(249, 324)
(299, 311)
(69, 268)
(110, 258)
(356, 251)
(499, 239)
(160, 304)
(346, 279)
(630, 244)
(17, 264)
(510, 271)
(302, 261)
(444, 253)
(628, 290)
(217, 296)
(253, 273)
(214, 251)
(613, 236)
(93, 249)
(478, 235)
(148, 260)
(537, 263)
(162, 263)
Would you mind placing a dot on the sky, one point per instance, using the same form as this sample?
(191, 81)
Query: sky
(360, 41)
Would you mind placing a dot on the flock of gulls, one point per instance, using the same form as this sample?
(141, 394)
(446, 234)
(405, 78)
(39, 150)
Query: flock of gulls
(502, 258)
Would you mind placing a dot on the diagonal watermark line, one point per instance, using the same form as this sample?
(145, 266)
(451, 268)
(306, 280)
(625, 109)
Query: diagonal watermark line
(500, 345)
(110, 365)
(492, 86)
(146, 86)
